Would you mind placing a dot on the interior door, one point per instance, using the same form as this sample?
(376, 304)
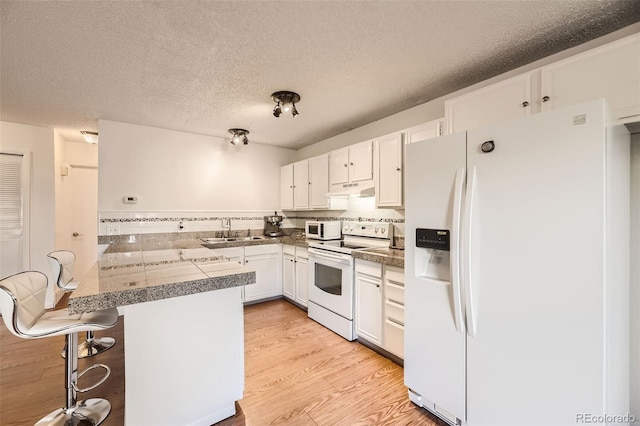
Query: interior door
(83, 217)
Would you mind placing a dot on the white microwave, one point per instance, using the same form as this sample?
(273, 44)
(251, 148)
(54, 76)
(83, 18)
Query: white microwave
(323, 230)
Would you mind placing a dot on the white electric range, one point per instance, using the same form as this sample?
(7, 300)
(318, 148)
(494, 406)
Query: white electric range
(331, 287)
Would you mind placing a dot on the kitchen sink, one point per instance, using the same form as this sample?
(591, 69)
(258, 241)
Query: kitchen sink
(231, 239)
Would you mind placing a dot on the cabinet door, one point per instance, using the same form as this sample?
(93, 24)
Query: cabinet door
(506, 100)
(369, 308)
(268, 277)
(388, 170)
(288, 277)
(302, 280)
(361, 161)
(339, 166)
(286, 187)
(425, 131)
(301, 185)
(611, 72)
(318, 181)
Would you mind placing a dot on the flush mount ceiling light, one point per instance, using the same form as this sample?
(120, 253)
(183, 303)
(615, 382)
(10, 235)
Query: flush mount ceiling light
(90, 137)
(239, 135)
(285, 102)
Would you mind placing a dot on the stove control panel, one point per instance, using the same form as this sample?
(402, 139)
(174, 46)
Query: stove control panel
(368, 229)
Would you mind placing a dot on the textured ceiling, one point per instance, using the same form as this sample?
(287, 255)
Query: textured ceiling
(207, 66)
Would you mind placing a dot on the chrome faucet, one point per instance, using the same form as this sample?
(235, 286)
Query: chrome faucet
(226, 224)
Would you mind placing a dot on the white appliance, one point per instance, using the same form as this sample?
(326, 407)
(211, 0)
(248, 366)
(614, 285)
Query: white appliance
(516, 269)
(323, 230)
(331, 287)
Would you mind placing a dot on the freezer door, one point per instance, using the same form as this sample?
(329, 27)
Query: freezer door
(536, 262)
(434, 361)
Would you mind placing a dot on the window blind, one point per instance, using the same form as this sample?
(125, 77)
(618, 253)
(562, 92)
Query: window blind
(10, 194)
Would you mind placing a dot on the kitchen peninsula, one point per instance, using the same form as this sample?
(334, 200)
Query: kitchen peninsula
(184, 348)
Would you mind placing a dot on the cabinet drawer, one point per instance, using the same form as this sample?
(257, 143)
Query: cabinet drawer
(395, 275)
(262, 249)
(394, 293)
(302, 252)
(394, 311)
(394, 338)
(366, 267)
(287, 249)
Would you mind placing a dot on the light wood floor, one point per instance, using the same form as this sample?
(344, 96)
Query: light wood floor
(297, 373)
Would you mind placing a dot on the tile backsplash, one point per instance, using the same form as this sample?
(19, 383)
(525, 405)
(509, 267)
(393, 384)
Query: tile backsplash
(150, 222)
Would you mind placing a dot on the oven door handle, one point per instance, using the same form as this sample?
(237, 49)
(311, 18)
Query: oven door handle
(327, 255)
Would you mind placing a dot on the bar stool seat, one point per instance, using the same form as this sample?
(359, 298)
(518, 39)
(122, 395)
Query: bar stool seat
(62, 262)
(22, 299)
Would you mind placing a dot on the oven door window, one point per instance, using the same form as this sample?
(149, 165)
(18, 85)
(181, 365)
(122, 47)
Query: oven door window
(328, 279)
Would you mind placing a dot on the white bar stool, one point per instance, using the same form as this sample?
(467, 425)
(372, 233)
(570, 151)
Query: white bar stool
(22, 299)
(62, 262)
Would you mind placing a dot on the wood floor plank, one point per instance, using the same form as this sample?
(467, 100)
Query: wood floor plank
(297, 373)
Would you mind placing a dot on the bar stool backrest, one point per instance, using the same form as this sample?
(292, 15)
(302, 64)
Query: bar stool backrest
(62, 262)
(22, 298)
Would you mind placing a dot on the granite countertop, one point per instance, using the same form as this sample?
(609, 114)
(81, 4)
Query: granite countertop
(386, 256)
(132, 273)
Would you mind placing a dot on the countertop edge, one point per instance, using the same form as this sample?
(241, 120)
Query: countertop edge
(102, 301)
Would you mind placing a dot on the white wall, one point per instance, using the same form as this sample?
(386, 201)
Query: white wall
(170, 170)
(38, 143)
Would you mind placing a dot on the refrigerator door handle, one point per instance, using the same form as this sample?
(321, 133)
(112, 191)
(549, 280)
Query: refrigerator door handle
(469, 278)
(456, 283)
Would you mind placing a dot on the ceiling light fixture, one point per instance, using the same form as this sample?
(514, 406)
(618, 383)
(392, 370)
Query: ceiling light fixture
(239, 135)
(285, 102)
(90, 137)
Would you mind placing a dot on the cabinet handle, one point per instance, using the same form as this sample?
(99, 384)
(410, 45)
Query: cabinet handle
(351, 164)
(525, 104)
(398, 169)
(309, 183)
(345, 164)
(545, 99)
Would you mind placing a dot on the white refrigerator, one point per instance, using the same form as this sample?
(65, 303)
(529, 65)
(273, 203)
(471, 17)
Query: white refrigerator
(517, 271)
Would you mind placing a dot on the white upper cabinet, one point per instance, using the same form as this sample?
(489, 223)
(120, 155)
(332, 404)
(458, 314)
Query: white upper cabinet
(506, 100)
(611, 72)
(318, 181)
(361, 161)
(339, 166)
(388, 170)
(301, 185)
(286, 187)
(425, 131)
(351, 164)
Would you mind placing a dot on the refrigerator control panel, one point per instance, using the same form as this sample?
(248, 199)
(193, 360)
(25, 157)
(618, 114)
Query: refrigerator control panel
(433, 238)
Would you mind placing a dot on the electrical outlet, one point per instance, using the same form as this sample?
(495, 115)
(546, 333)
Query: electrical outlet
(113, 229)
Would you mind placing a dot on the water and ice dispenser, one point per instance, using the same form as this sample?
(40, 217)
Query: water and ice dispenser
(432, 260)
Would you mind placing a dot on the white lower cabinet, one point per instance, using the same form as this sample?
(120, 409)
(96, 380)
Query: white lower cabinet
(380, 305)
(368, 309)
(294, 274)
(265, 260)
(394, 310)
(302, 276)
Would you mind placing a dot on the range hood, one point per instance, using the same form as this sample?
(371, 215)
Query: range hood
(363, 188)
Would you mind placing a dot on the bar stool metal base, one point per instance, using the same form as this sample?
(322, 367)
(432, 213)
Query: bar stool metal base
(95, 346)
(90, 412)
(92, 347)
